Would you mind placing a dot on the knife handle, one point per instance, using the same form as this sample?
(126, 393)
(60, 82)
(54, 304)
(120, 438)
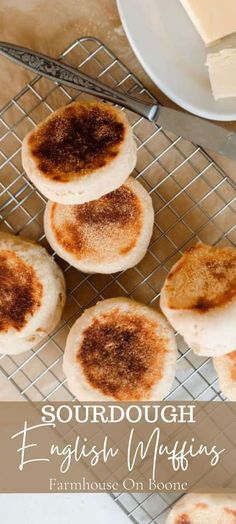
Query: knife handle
(71, 77)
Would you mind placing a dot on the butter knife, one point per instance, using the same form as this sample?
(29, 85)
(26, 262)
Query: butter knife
(198, 130)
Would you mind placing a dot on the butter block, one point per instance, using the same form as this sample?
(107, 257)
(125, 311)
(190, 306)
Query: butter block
(222, 73)
(213, 19)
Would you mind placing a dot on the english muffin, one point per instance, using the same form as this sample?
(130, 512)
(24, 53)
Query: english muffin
(225, 367)
(199, 299)
(204, 509)
(32, 294)
(80, 152)
(120, 350)
(103, 236)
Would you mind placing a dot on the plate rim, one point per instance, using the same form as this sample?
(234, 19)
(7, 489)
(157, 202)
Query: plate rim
(210, 115)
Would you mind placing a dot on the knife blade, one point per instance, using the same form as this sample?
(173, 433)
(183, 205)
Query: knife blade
(195, 129)
(198, 130)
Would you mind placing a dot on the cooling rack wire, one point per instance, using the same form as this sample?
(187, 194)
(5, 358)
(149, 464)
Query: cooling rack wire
(193, 200)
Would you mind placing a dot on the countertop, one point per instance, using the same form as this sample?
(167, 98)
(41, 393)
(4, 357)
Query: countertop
(50, 26)
(86, 508)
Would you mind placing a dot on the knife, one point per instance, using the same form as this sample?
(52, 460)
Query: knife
(198, 130)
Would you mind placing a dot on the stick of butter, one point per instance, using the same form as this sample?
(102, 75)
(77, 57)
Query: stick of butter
(213, 19)
(222, 73)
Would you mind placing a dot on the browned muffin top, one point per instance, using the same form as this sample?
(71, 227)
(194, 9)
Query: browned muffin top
(231, 512)
(122, 355)
(183, 519)
(20, 291)
(76, 140)
(232, 359)
(204, 278)
(102, 229)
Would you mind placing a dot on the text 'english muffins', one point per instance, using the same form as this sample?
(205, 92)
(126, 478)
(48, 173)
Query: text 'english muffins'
(80, 152)
(120, 350)
(106, 235)
(199, 299)
(32, 294)
(204, 509)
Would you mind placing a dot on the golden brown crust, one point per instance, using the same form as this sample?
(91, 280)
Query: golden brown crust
(231, 512)
(183, 519)
(91, 229)
(232, 358)
(204, 278)
(186, 519)
(201, 505)
(122, 356)
(77, 140)
(20, 291)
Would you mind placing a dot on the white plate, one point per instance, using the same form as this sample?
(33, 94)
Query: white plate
(173, 54)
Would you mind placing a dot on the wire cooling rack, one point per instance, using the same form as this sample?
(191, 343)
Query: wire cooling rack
(193, 200)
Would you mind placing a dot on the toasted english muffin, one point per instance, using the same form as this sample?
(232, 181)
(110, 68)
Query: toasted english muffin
(120, 350)
(199, 299)
(32, 294)
(204, 509)
(225, 367)
(103, 236)
(80, 152)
